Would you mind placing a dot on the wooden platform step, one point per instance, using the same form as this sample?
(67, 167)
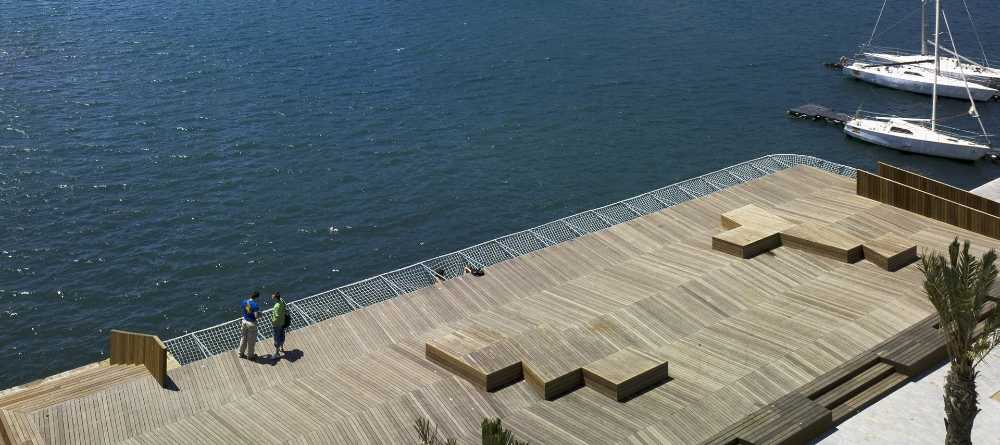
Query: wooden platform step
(826, 240)
(491, 367)
(16, 429)
(752, 231)
(626, 373)
(47, 393)
(553, 361)
(746, 242)
(752, 216)
(850, 388)
(891, 252)
(869, 396)
(791, 420)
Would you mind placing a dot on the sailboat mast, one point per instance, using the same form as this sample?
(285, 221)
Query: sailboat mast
(937, 62)
(923, 27)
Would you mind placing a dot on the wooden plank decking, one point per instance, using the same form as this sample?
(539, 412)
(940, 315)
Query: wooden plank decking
(740, 337)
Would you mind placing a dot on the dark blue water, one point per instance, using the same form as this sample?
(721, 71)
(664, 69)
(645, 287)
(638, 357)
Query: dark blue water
(160, 159)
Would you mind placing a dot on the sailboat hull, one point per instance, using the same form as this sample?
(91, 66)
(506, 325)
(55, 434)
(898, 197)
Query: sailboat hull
(862, 129)
(950, 67)
(917, 85)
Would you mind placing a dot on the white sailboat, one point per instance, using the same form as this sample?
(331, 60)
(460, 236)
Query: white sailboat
(954, 66)
(916, 80)
(914, 73)
(922, 136)
(951, 67)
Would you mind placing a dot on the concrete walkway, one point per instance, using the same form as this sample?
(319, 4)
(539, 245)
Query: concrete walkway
(914, 414)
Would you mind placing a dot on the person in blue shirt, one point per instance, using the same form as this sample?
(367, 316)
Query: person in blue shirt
(248, 328)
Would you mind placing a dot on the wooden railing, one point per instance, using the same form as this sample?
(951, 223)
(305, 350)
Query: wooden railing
(938, 188)
(130, 348)
(927, 204)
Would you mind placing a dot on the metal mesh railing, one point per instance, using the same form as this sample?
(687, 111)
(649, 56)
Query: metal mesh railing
(201, 344)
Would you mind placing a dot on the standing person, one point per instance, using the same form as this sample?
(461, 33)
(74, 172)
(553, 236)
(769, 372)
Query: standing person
(279, 321)
(248, 328)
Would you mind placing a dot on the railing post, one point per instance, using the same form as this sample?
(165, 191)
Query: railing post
(627, 206)
(391, 285)
(573, 228)
(309, 320)
(201, 345)
(470, 260)
(508, 250)
(545, 240)
(602, 218)
(349, 300)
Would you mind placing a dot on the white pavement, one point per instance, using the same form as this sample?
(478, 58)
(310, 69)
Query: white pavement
(989, 190)
(914, 414)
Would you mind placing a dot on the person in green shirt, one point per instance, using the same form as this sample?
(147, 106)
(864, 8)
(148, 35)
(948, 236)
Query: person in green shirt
(279, 321)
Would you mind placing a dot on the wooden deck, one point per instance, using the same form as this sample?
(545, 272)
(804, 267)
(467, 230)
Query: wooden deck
(738, 338)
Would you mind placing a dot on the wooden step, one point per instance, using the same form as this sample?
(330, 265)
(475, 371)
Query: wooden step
(753, 216)
(855, 385)
(792, 419)
(869, 396)
(626, 373)
(746, 241)
(825, 240)
(17, 429)
(74, 386)
(891, 252)
(490, 368)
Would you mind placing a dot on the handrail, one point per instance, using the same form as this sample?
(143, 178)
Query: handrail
(225, 336)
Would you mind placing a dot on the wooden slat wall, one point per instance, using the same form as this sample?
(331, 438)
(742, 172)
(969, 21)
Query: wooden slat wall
(131, 348)
(939, 188)
(923, 203)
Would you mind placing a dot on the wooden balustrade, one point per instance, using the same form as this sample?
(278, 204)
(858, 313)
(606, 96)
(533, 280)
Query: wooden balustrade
(927, 204)
(131, 348)
(938, 188)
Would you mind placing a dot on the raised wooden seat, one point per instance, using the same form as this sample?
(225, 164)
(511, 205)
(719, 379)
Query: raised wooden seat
(626, 373)
(891, 252)
(554, 360)
(746, 241)
(824, 239)
(753, 216)
(481, 356)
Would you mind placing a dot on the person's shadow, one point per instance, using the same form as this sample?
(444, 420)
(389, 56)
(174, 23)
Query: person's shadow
(290, 356)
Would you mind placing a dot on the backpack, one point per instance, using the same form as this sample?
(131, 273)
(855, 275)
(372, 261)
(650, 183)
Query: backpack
(288, 319)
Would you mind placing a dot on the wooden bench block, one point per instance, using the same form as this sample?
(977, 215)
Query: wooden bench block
(478, 355)
(626, 373)
(753, 216)
(891, 252)
(746, 241)
(826, 240)
(554, 359)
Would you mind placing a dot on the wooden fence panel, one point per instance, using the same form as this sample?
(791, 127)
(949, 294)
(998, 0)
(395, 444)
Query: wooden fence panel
(938, 188)
(927, 204)
(130, 348)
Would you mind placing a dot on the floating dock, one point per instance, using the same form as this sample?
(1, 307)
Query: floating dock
(819, 112)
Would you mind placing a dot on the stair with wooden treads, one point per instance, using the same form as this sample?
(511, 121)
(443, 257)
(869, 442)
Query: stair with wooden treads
(858, 392)
(15, 406)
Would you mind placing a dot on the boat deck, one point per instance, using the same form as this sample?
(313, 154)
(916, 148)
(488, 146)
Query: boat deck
(737, 335)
